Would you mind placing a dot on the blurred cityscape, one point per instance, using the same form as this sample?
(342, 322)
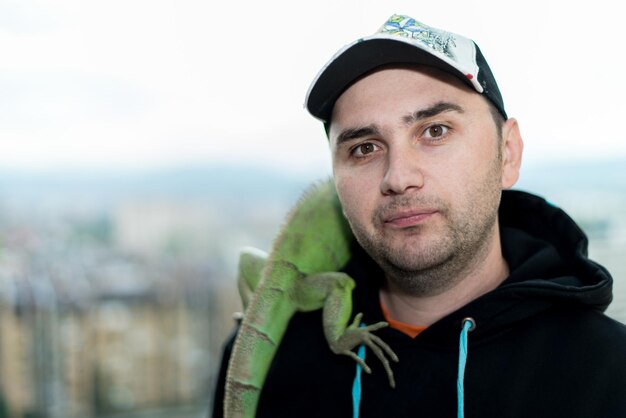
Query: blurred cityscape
(117, 290)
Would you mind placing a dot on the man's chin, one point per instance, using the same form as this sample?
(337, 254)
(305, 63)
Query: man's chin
(413, 259)
(410, 250)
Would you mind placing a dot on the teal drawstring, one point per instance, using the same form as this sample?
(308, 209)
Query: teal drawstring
(356, 386)
(468, 325)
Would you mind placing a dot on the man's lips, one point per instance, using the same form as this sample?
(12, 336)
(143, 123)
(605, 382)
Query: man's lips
(407, 219)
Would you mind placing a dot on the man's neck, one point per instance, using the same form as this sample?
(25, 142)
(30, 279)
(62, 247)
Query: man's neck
(426, 310)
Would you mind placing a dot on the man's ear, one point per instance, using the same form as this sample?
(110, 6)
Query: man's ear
(512, 149)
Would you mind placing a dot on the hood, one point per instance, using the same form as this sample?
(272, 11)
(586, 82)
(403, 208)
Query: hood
(546, 250)
(547, 256)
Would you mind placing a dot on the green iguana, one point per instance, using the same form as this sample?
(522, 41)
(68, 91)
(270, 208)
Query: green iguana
(300, 274)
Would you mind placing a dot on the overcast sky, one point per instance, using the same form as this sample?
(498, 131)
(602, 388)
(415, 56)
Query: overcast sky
(145, 83)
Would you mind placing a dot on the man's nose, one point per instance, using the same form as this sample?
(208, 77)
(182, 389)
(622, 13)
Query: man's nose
(403, 171)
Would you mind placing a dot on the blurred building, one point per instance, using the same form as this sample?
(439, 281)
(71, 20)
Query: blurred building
(90, 331)
(149, 227)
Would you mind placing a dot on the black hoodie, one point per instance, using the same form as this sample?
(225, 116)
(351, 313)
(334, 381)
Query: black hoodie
(542, 346)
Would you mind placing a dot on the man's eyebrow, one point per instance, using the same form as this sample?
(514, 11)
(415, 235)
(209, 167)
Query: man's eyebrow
(429, 112)
(356, 133)
(373, 130)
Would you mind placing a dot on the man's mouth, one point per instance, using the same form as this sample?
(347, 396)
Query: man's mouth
(406, 219)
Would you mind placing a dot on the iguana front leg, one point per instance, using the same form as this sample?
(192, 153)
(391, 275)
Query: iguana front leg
(333, 291)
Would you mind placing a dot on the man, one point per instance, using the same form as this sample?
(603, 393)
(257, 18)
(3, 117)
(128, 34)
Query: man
(421, 150)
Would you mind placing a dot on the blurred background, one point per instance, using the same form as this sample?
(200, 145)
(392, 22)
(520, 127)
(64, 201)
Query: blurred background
(144, 142)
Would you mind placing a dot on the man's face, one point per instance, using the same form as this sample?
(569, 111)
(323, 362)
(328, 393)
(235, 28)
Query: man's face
(418, 170)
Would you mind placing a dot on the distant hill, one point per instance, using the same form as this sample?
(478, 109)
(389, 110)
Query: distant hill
(232, 183)
(593, 175)
(213, 183)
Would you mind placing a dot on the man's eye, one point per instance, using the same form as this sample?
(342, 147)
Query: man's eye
(364, 149)
(436, 131)
(435, 134)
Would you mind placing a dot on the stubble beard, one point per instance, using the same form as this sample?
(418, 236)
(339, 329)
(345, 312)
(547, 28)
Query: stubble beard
(420, 268)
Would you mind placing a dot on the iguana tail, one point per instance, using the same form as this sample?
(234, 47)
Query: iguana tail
(256, 345)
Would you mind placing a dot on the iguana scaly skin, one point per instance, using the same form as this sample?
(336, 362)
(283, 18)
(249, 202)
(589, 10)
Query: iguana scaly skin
(300, 274)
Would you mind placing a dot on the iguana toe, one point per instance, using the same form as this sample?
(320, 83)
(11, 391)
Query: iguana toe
(356, 334)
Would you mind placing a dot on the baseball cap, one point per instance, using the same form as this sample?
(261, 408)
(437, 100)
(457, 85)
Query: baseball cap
(402, 40)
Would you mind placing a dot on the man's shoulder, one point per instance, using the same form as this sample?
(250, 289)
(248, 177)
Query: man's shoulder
(608, 333)
(599, 324)
(588, 331)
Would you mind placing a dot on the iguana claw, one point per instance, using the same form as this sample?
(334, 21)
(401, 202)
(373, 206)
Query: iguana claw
(356, 334)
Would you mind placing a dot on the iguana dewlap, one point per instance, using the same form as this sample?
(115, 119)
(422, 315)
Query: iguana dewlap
(300, 274)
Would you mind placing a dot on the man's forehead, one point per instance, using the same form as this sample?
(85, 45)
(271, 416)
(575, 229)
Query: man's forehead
(367, 90)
